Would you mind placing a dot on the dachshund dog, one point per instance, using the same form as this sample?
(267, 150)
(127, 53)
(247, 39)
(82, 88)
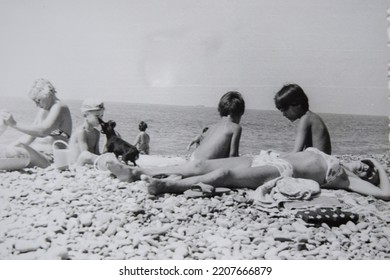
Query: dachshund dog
(117, 145)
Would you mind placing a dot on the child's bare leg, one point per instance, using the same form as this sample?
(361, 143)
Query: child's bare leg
(187, 169)
(234, 178)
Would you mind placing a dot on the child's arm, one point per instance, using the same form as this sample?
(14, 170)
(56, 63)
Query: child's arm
(137, 140)
(235, 142)
(303, 132)
(96, 148)
(194, 141)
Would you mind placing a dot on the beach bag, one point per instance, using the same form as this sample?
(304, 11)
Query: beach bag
(61, 154)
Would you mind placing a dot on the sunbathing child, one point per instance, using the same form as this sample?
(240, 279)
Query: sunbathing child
(366, 177)
(292, 101)
(84, 143)
(142, 140)
(223, 139)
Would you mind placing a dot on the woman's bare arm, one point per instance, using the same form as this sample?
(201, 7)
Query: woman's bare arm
(360, 186)
(42, 127)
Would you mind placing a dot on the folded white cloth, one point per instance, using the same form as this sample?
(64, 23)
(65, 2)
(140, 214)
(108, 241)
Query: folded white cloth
(283, 189)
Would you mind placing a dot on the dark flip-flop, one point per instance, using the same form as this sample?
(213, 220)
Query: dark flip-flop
(197, 191)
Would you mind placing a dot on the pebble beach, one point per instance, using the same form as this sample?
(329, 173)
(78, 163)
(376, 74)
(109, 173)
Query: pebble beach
(87, 214)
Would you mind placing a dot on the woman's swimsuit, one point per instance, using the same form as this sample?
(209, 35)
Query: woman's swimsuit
(273, 159)
(334, 168)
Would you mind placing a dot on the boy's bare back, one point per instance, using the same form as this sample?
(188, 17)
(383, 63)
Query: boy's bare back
(292, 101)
(312, 132)
(220, 141)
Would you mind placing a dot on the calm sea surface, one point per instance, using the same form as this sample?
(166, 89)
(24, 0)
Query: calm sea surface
(171, 128)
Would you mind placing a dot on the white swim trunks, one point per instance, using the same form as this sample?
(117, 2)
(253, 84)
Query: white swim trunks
(273, 159)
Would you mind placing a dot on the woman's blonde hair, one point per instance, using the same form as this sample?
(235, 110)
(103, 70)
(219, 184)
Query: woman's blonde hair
(42, 89)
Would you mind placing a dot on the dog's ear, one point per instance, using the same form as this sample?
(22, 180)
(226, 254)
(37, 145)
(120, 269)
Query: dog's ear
(112, 124)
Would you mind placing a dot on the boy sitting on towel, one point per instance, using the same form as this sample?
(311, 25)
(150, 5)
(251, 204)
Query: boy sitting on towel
(222, 140)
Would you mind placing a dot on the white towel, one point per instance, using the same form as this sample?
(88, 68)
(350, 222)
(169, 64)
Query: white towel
(283, 189)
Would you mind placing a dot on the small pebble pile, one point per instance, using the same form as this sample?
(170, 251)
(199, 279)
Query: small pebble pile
(52, 214)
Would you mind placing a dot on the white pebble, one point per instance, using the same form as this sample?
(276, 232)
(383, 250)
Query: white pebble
(299, 227)
(24, 246)
(86, 219)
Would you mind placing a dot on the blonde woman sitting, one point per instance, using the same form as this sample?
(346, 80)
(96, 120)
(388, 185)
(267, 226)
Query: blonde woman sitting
(52, 122)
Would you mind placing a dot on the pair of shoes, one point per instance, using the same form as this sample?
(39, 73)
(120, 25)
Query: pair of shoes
(204, 190)
(331, 217)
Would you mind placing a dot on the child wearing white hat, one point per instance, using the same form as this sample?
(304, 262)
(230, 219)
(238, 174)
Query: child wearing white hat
(84, 143)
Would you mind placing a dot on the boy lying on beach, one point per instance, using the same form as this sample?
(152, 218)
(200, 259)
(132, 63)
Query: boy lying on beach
(292, 101)
(223, 139)
(84, 143)
(52, 122)
(366, 177)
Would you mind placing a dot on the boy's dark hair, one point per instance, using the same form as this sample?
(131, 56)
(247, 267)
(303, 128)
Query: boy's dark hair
(231, 103)
(291, 94)
(142, 126)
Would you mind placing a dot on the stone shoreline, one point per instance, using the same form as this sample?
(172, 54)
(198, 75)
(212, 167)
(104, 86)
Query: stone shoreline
(48, 214)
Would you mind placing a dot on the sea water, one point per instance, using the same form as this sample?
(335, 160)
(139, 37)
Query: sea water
(171, 128)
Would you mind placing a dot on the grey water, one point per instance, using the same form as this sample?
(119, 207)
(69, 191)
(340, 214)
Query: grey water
(171, 128)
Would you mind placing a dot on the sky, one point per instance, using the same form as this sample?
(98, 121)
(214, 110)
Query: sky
(187, 52)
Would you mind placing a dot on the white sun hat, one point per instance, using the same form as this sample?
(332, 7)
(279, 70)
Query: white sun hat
(92, 105)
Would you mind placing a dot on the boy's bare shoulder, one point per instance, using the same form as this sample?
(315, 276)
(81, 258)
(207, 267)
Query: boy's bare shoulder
(234, 125)
(311, 117)
(233, 128)
(314, 121)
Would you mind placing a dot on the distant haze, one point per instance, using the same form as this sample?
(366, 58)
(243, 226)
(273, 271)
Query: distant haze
(187, 52)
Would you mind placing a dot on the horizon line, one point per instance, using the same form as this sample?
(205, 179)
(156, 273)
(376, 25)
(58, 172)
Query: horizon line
(207, 106)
